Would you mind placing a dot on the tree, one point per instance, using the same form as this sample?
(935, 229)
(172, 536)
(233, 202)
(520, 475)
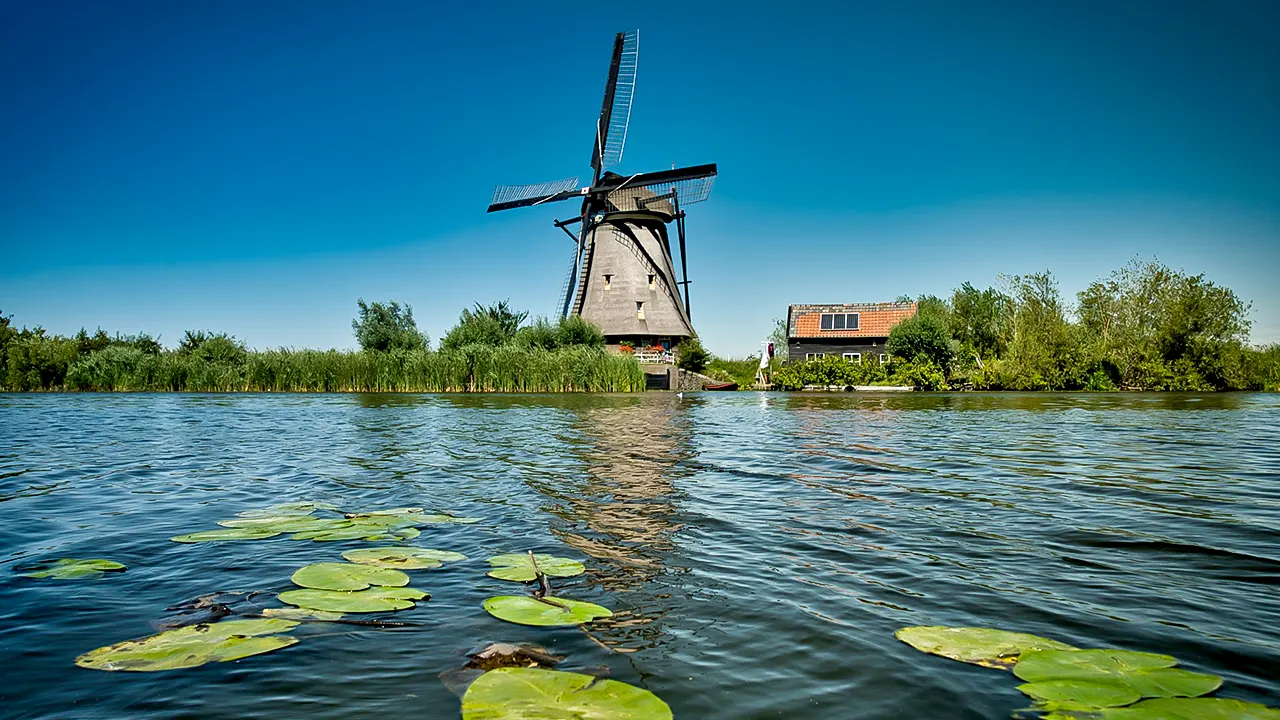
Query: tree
(691, 356)
(485, 325)
(981, 320)
(922, 336)
(382, 327)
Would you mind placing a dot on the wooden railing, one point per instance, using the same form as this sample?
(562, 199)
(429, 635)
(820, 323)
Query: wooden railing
(665, 357)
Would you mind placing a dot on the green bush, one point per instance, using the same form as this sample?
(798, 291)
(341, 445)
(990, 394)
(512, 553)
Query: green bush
(383, 327)
(923, 335)
(691, 356)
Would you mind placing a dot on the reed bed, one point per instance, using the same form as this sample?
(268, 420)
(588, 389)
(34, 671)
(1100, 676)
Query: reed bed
(471, 368)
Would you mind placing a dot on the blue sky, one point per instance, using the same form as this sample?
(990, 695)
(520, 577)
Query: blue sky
(256, 167)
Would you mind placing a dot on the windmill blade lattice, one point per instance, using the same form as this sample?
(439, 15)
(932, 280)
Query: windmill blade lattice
(624, 91)
(503, 194)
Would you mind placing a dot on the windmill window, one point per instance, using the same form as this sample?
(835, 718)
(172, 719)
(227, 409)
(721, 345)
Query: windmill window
(652, 285)
(814, 356)
(608, 280)
(839, 321)
(883, 358)
(639, 310)
(853, 357)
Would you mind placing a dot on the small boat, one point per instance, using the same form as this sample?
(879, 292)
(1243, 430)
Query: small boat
(722, 386)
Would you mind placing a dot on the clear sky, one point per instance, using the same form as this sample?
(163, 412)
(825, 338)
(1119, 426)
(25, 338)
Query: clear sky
(255, 167)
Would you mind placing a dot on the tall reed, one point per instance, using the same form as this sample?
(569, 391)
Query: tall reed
(470, 368)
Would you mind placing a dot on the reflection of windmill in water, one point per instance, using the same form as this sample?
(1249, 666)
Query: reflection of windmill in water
(622, 511)
(622, 276)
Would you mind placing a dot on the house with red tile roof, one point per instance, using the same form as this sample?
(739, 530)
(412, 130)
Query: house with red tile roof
(857, 332)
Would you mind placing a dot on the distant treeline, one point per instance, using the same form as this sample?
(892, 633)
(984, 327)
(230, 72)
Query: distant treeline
(485, 352)
(1144, 327)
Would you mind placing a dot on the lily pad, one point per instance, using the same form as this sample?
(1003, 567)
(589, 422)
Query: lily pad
(406, 558)
(288, 523)
(1193, 709)
(987, 647)
(249, 533)
(1041, 665)
(292, 508)
(391, 511)
(448, 519)
(1083, 693)
(407, 533)
(296, 613)
(518, 693)
(192, 646)
(548, 611)
(375, 599)
(517, 567)
(71, 568)
(1171, 683)
(347, 576)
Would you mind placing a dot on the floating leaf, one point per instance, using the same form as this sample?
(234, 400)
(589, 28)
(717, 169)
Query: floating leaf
(1193, 709)
(448, 519)
(1084, 693)
(408, 533)
(249, 533)
(406, 558)
(288, 523)
(518, 693)
(192, 646)
(392, 511)
(293, 508)
(987, 647)
(1171, 682)
(71, 568)
(375, 599)
(344, 533)
(525, 610)
(295, 613)
(1041, 665)
(347, 576)
(518, 567)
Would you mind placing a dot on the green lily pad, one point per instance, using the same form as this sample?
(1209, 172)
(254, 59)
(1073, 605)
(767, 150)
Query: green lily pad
(448, 519)
(407, 533)
(375, 599)
(1193, 709)
(287, 523)
(406, 558)
(71, 568)
(1171, 683)
(292, 508)
(249, 533)
(391, 511)
(192, 646)
(347, 576)
(296, 613)
(1081, 693)
(516, 566)
(521, 693)
(1042, 665)
(349, 532)
(548, 611)
(987, 647)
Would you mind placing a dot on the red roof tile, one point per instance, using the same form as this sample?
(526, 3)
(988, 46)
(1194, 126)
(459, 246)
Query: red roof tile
(874, 319)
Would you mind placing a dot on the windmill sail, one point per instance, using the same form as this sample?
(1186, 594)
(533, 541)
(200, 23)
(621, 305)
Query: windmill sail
(506, 197)
(615, 111)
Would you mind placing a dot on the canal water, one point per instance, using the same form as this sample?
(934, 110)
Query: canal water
(760, 549)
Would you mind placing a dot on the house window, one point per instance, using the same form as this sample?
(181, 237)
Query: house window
(853, 357)
(639, 310)
(839, 321)
(652, 284)
(814, 356)
(883, 358)
(608, 279)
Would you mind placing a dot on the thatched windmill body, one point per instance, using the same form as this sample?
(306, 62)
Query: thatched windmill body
(622, 276)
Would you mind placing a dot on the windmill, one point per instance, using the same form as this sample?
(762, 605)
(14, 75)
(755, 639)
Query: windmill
(622, 276)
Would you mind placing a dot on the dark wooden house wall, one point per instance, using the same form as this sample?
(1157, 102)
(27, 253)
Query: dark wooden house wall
(870, 347)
